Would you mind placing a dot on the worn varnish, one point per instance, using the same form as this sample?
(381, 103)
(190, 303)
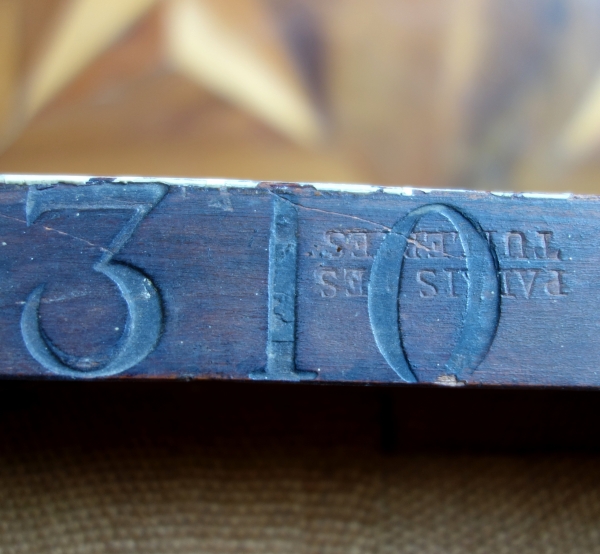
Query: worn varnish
(213, 279)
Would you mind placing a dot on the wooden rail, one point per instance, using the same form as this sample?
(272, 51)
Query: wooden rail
(213, 279)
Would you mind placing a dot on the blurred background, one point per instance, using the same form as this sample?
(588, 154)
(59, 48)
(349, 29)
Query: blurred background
(485, 94)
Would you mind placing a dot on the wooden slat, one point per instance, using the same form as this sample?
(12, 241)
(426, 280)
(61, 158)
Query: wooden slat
(241, 280)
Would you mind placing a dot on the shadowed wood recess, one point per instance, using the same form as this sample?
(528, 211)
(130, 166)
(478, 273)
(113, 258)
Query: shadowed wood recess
(484, 94)
(221, 468)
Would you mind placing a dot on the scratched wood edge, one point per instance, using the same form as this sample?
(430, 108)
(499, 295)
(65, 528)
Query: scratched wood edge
(282, 280)
(353, 188)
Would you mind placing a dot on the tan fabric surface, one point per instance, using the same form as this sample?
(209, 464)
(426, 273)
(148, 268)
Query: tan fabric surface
(141, 500)
(267, 470)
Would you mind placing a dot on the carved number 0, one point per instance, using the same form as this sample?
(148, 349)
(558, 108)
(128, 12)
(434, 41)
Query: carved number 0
(483, 296)
(144, 317)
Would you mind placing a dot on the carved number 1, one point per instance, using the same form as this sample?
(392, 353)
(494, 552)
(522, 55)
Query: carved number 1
(144, 317)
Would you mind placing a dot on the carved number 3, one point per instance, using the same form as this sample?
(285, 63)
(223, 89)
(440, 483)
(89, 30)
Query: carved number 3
(144, 318)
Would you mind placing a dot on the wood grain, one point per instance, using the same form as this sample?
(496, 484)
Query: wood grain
(242, 280)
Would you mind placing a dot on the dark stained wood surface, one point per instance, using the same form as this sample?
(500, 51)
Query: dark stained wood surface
(237, 280)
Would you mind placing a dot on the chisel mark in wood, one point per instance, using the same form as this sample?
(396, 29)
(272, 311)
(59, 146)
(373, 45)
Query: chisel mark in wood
(223, 201)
